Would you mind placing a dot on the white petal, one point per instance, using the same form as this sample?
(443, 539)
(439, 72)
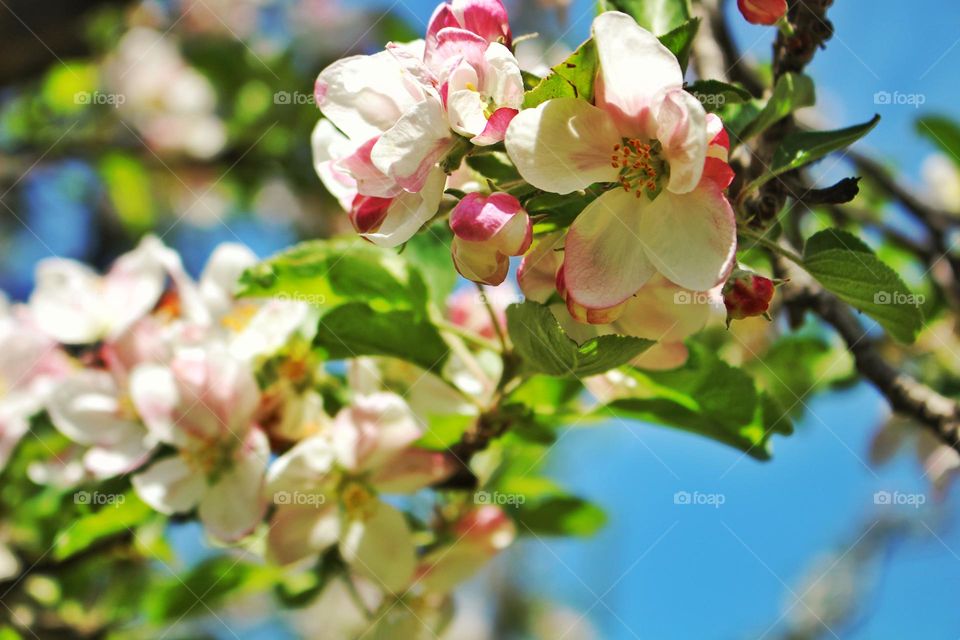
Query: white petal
(119, 458)
(381, 548)
(634, 68)
(329, 145)
(465, 111)
(305, 467)
(133, 285)
(408, 150)
(170, 486)
(373, 430)
(366, 95)
(234, 505)
(691, 238)
(502, 81)
(154, 392)
(563, 145)
(300, 531)
(662, 311)
(86, 407)
(604, 259)
(67, 302)
(409, 212)
(270, 329)
(220, 276)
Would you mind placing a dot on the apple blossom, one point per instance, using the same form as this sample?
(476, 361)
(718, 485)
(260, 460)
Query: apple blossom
(476, 537)
(487, 231)
(462, 25)
(30, 366)
(327, 487)
(763, 11)
(74, 305)
(202, 404)
(654, 140)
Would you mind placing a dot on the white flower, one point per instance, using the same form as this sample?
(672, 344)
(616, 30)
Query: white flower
(367, 451)
(664, 158)
(203, 405)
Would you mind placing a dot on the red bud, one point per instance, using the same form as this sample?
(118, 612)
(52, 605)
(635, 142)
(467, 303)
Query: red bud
(762, 11)
(746, 295)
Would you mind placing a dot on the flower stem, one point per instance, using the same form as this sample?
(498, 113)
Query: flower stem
(762, 240)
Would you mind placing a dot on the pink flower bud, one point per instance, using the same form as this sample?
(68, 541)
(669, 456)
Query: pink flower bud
(747, 294)
(487, 231)
(762, 11)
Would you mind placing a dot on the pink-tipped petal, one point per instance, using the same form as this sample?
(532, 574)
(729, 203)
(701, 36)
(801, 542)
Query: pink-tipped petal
(486, 18)
(365, 95)
(410, 211)
(718, 172)
(413, 145)
(477, 218)
(370, 181)
(682, 129)
(537, 273)
(369, 212)
(496, 129)
(453, 46)
(605, 262)
(634, 69)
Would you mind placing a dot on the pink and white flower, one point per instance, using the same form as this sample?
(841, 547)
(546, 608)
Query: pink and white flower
(488, 230)
(659, 310)
(30, 366)
(75, 305)
(459, 24)
(327, 490)
(394, 115)
(203, 405)
(646, 134)
(477, 536)
(389, 131)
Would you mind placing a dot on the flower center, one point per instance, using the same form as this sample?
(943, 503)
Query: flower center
(641, 168)
(358, 501)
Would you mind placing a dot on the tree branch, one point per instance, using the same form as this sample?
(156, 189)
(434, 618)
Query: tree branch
(905, 394)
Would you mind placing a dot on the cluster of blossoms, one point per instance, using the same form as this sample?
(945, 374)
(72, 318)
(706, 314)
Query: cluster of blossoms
(648, 257)
(212, 405)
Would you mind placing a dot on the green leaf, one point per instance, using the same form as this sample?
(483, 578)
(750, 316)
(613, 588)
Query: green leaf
(793, 91)
(572, 78)
(705, 396)
(560, 516)
(554, 211)
(849, 269)
(445, 431)
(680, 40)
(327, 273)
(214, 580)
(430, 252)
(356, 329)
(496, 166)
(656, 16)
(801, 148)
(122, 512)
(944, 132)
(715, 95)
(546, 348)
